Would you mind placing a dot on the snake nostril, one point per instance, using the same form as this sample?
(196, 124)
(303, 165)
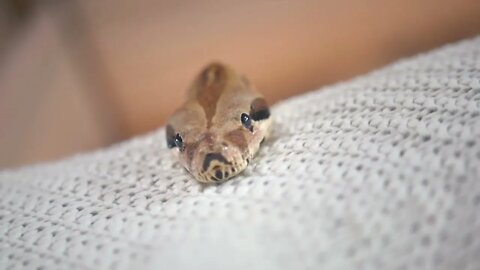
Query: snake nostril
(219, 174)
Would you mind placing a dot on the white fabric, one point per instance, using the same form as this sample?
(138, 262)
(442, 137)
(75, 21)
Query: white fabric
(381, 172)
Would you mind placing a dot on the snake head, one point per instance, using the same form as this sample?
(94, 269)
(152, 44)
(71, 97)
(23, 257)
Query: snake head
(219, 128)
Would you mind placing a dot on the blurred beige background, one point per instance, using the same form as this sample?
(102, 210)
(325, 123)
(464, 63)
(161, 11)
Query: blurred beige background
(81, 74)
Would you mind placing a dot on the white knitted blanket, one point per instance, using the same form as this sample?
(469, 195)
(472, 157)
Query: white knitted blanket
(381, 172)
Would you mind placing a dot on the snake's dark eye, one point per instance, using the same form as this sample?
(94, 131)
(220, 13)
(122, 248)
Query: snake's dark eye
(178, 141)
(246, 120)
(170, 135)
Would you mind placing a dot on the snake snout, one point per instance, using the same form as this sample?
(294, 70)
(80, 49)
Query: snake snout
(217, 167)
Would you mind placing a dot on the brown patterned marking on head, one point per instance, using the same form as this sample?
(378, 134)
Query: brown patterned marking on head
(210, 88)
(237, 138)
(191, 149)
(208, 138)
(259, 109)
(211, 74)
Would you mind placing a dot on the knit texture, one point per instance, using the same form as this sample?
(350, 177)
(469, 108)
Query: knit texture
(381, 172)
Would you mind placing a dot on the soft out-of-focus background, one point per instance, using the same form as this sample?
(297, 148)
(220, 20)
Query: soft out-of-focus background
(77, 75)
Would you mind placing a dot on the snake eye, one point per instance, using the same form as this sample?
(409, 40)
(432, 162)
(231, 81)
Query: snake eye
(246, 120)
(178, 141)
(170, 135)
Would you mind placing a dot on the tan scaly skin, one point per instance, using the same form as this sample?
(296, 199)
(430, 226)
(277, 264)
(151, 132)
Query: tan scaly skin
(207, 134)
